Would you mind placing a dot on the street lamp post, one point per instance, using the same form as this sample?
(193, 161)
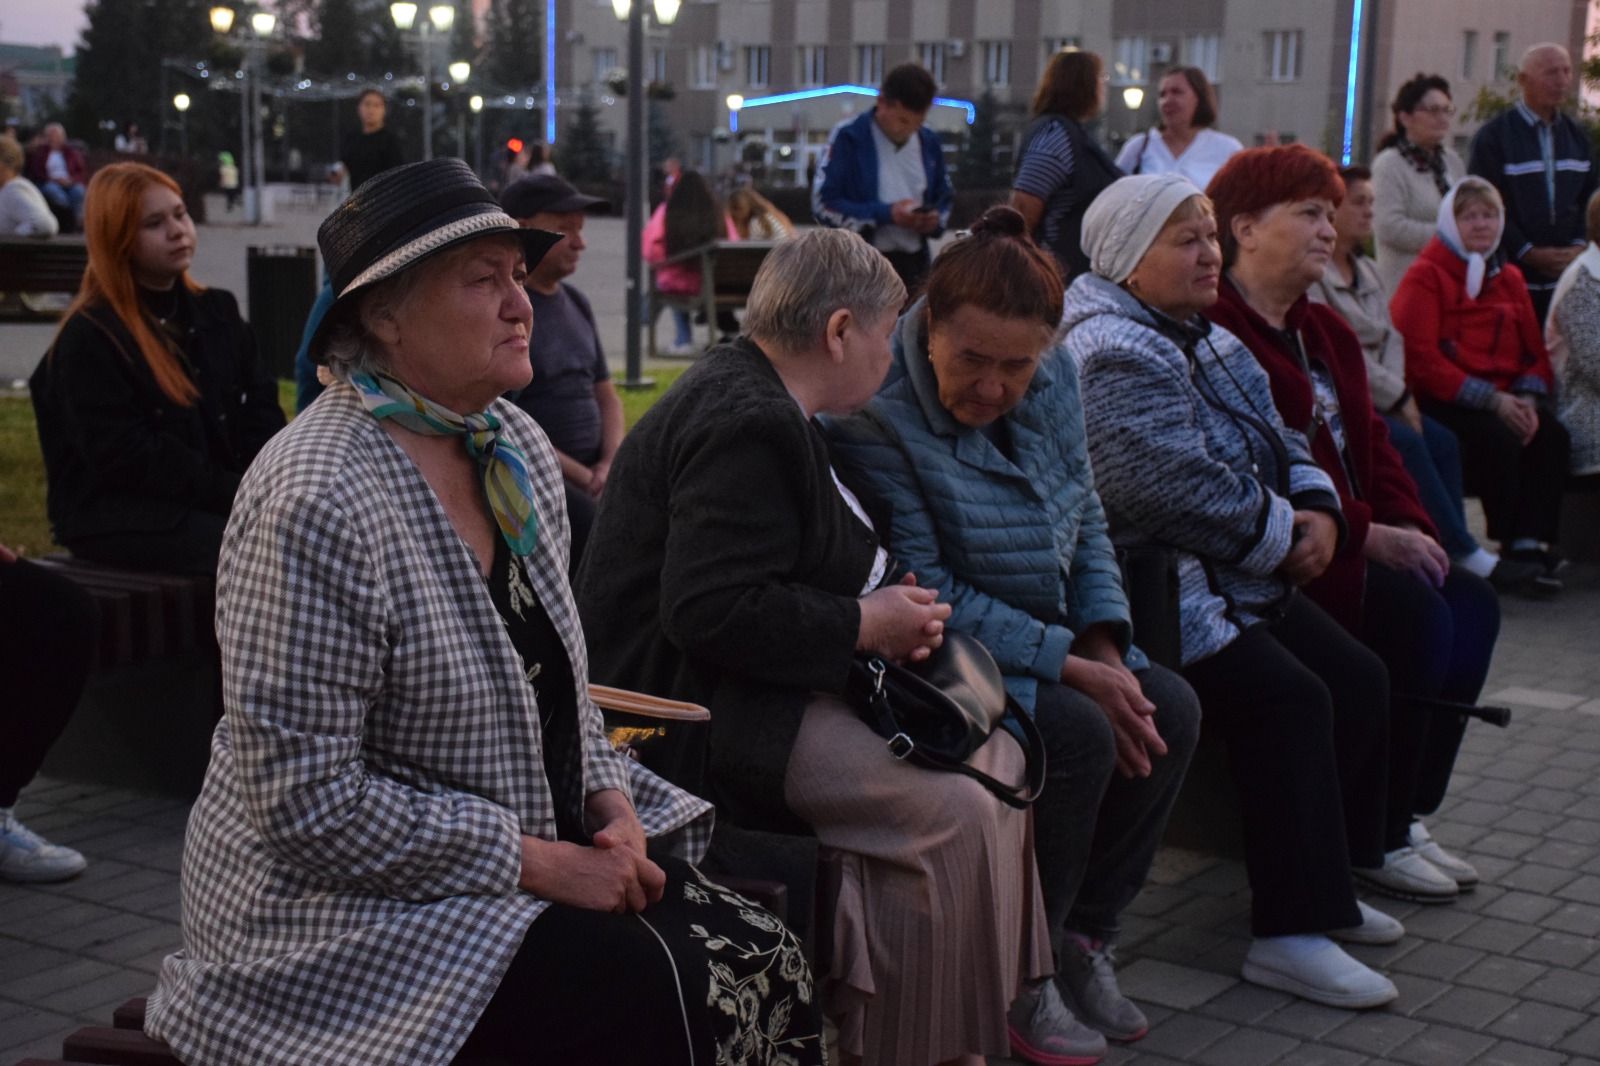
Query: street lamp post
(262, 24)
(476, 103)
(181, 102)
(440, 18)
(253, 173)
(638, 192)
(460, 71)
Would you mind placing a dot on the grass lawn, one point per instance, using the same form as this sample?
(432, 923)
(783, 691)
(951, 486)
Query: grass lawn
(22, 521)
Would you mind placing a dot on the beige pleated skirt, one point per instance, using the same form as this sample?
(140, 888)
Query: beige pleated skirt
(933, 915)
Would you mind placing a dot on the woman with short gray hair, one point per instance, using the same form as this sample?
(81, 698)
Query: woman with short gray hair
(730, 566)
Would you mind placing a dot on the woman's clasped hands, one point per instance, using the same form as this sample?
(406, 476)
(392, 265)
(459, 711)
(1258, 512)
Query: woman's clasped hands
(612, 874)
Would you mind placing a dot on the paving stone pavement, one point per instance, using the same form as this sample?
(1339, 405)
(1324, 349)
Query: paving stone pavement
(1507, 976)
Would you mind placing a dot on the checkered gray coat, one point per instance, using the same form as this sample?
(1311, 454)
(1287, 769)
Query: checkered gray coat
(350, 870)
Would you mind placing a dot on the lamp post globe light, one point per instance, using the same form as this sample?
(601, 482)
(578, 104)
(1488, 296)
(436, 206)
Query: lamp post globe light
(440, 18)
(1133, 96)
(261, 24)
(181, 103)
(666, 13)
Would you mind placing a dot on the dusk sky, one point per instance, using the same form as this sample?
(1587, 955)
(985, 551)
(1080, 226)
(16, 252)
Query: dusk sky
(41, 22)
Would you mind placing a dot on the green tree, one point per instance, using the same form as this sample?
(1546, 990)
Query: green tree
(663, 139)
(979, 168)
(582, 154)
(513, 50)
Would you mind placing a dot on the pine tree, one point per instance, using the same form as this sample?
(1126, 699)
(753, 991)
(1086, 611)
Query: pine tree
(582, 152)
(663, 139)
(978, 169)
(514, 47)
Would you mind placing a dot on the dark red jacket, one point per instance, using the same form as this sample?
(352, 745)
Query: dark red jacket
(35, 166)
(1382, 490)
(1451, 337)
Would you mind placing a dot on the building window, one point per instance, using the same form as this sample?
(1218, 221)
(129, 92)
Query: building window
(997, 63)
(1282, 50)
(1128, 60)
(1469, 53)
(1204, 50)
(758, 65)
(931, 55)
(1502, 55)
(657, 71)
(813, 60)
(605, 61)
(869, 64)
(704, 72)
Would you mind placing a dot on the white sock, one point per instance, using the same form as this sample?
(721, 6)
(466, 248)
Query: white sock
(1481, 562)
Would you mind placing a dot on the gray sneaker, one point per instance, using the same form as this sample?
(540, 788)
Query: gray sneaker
(1088, 981)
(25, 856)
(1044, 1031)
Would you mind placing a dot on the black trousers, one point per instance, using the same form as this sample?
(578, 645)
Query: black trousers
(191, 548)
(1436, 644)
(47, 634)
(1520, 486)
(1095, 832)
(580, 517)
(1303, 709)
(912, 268)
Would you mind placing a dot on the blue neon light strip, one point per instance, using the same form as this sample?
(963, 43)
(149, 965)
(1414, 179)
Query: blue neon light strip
(838, 90)
(1350, 82)
(549, 71)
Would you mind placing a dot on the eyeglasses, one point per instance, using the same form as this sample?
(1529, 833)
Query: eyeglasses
(1438, 109)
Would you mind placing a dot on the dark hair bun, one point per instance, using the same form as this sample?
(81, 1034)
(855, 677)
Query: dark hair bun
(1001, 221)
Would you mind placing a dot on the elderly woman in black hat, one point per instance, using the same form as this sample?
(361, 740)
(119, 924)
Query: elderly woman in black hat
(414, 844)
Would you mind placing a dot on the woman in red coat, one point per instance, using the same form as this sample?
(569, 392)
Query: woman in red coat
(1390, 583)
(1475, 358)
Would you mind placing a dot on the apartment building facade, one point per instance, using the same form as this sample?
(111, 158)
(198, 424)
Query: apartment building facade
(1315, 71)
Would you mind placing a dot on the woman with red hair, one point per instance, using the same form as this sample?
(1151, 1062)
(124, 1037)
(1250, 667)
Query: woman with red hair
(151, 401)
(1389, 582)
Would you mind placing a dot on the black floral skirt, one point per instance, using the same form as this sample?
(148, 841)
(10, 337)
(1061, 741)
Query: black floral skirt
(704, 977)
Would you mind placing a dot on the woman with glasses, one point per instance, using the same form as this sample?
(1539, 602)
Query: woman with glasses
(1413, 170)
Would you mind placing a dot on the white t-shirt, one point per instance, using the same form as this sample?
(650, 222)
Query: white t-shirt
(23, 211)
(900, 177)
(1203, 158)
(55, 166)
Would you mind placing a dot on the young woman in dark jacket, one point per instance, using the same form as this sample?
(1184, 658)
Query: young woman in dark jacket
(152, 400)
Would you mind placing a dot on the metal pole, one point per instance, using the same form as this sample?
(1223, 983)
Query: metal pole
(247, 172)
(258, 145)
(183, 134)
(637, 194)
(461, 136)
(477, 136)
(427, 95)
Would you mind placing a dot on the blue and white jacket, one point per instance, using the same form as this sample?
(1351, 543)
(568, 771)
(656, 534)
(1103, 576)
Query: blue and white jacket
(844, 193)
(1016, 545)
(1189, 453)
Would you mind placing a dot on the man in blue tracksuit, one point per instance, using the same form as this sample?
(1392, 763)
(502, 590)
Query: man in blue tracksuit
(1538, 157)
(883, 175)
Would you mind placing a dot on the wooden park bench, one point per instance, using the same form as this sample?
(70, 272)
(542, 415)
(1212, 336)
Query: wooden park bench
(727, 269)
(30, 267)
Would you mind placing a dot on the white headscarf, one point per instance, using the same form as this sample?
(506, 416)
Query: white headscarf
(1450, 234)
(1124, 220)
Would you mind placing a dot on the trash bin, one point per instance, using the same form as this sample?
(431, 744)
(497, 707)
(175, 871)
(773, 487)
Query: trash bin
(282, 281)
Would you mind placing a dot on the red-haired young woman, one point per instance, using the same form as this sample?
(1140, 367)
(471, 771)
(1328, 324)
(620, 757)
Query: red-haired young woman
(151, 401)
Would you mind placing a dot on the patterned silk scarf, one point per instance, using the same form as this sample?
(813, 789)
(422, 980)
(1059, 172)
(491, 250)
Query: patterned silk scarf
(506, 484)
(1426, 160)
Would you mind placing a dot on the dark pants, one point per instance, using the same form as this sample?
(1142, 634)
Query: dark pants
(580, 517)
(47, 635)
(1095, 832)
(191, 548)
(1436, 644)
(912, 268)
(1303, 709)
(1433, 459)
(1520, 486)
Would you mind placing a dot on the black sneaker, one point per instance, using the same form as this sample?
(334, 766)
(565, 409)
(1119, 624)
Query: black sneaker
(1509, 575)
(1544, 566)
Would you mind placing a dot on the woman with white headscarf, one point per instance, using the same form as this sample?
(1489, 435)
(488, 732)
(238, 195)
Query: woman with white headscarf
(1476, 361)
(1189, 454)
(1573, 336)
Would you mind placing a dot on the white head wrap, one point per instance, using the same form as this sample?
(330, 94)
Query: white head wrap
(1450, 234)
(1122, 223)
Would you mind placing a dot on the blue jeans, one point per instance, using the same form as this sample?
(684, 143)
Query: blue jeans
(1433, 459)
(64, 196)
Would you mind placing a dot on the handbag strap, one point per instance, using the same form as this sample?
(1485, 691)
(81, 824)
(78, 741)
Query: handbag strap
(901, 746)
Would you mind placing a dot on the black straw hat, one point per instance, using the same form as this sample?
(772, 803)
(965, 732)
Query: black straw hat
(400, 217)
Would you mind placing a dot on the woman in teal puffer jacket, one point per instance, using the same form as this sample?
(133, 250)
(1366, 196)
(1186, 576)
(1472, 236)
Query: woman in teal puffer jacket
(974, 453)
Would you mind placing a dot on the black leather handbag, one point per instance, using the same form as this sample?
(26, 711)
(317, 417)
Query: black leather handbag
(938, 712)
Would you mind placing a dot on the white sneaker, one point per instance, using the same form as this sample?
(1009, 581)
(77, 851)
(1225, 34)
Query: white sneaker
(1407, 875)
(1315, 968)
(1376, 928)
(1466, 878)
(25, 856)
